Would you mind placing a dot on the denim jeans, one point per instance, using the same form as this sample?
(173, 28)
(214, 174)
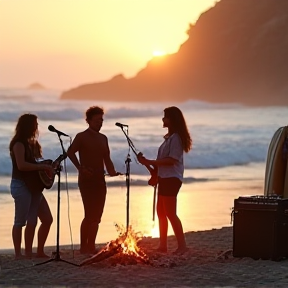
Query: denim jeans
(26, 204)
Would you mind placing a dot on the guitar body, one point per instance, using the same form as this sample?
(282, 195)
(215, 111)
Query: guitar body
(153, 181)
(46, 177)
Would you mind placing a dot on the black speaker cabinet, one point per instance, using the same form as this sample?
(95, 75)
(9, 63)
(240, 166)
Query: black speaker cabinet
(260, 227)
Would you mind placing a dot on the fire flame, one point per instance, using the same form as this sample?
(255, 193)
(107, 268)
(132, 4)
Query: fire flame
(130, 239)
(125, 244)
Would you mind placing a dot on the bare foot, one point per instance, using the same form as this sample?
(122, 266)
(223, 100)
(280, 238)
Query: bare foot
(20, 257)
(28, 255)
(161, 250)
(42, 255)
(180, 251)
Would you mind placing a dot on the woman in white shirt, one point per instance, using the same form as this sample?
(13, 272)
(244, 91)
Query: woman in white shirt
(169, 163)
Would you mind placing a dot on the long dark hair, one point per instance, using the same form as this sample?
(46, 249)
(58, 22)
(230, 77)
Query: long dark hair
(178, 125)
(26, 131)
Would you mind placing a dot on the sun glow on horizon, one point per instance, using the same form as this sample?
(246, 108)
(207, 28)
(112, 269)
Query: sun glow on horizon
(97, 40)
(155, 232)
(158, 53)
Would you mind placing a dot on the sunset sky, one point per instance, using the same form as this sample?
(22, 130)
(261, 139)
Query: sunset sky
(65, 43)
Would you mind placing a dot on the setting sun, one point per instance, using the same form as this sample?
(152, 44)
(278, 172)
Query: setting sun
(94, 43)
(158, 53)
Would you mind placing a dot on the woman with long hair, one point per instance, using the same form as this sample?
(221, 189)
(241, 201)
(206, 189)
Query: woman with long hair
(26, 187)
(170, 166)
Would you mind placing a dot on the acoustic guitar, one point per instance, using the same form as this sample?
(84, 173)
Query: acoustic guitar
(47, 177)
(153, 170)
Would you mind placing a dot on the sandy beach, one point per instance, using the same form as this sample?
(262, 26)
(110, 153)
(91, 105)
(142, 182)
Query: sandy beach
(205, 265)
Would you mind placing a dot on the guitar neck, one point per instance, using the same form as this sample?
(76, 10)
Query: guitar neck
(150, 168)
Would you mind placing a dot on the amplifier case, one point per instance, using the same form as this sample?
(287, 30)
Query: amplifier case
(260, 228)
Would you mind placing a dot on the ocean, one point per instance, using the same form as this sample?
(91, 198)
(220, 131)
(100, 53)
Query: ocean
(230, 143)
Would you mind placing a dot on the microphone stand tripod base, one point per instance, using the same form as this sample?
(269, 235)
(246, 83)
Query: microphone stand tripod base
(56, 255)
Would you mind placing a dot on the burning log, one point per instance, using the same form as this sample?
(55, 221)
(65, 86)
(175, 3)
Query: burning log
(126, 244)
(113, 247)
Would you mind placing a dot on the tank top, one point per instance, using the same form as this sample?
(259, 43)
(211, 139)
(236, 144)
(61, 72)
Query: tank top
(31, 178)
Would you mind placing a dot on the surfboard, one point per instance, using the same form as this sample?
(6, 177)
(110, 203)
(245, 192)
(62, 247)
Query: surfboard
(276, 174)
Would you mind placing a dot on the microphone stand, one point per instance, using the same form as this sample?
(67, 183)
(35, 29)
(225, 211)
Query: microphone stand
(56, 255)
(127, 162)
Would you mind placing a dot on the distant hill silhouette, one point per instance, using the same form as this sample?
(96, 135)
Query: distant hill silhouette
(236, 52)
(36, 86)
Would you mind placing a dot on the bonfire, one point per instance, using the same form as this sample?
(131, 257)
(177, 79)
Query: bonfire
(125, 245)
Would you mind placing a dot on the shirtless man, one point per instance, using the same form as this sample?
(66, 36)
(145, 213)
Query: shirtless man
(94, 152)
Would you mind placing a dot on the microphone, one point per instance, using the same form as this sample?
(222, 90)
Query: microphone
(53, 129)
(120, 125)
